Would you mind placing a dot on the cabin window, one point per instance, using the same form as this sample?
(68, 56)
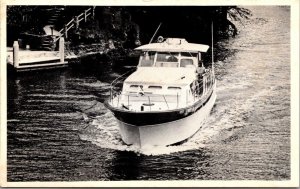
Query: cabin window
(134, 86)
(186, 62)
(166, 64)
(167, 57)
(174, 88)
(154, 87)
(147, 59)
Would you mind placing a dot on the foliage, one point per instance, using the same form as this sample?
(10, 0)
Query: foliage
(127, 25)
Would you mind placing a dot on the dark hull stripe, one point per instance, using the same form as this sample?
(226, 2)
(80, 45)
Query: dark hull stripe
(156, 117)
(40, 62)
(41, 68)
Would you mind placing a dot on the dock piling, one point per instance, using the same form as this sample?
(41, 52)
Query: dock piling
(16, 54)
(93, 12)
(66, 31)
(76, 22)
(62, 49)
(85, 15)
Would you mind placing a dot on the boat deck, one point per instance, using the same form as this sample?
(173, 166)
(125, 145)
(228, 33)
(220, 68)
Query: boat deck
(150, 103)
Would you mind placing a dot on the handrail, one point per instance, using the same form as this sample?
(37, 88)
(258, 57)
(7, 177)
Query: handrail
(166, 101)
(71, 21)
(149, 101)
(117, 92)
(200, 92)
(35, 35)
(118, 78)
(115, 82)
(127, 100)
(71, 24)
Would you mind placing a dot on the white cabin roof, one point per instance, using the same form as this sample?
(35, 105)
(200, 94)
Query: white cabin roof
(162, 76)
(174, 45)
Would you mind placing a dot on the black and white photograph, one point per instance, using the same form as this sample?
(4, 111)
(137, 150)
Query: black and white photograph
(151, 93)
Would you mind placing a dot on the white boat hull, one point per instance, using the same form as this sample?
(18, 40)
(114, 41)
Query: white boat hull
(166, 133)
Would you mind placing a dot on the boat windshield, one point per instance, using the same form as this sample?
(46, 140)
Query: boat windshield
(168, 59)
(147, 59)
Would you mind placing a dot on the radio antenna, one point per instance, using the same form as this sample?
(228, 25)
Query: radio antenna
(155, 32)
(212, 45)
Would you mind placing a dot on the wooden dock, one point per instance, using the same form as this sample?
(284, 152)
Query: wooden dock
(27, 60)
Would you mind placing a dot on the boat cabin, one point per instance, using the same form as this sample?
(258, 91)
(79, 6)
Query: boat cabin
(169, 75)
(173, 52)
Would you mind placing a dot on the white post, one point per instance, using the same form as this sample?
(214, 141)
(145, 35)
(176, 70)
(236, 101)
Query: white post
(85, 15)
(16, 54)
(93, 12)
(62, 49)
(76, 22)
(66, 31)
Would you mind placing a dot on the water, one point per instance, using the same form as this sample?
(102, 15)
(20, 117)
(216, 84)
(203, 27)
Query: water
(59, 129)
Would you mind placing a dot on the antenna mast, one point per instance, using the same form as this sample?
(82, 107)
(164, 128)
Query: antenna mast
(155, 33)
(212, 45)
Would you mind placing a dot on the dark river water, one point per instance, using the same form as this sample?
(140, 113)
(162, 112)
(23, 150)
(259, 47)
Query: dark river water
(59, 130)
